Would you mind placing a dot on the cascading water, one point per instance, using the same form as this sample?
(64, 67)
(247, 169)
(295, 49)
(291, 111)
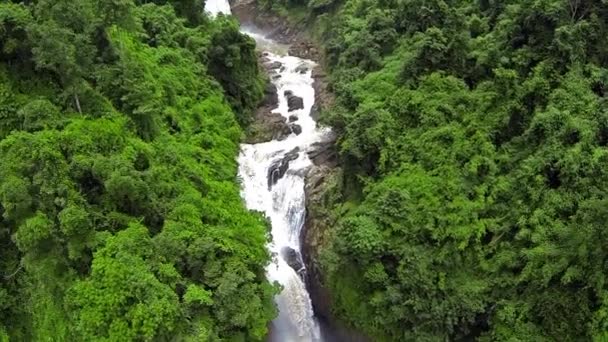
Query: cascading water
(260, 166)
(272, 176)
(215, 7)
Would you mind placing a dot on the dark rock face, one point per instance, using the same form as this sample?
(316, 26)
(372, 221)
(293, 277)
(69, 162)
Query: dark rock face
(315, 111)
(278, 168)
(324, 153)
(296, 129)
(318, 226)
(293, 118)
(313, 239)
(317, 222)
(271, 97)
(305, 48)
(293, 259)
(324, 99)
(294, 102)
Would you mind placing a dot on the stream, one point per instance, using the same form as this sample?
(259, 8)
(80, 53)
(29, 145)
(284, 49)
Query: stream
(272, 176)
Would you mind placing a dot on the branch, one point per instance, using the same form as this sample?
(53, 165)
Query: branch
(7, 277)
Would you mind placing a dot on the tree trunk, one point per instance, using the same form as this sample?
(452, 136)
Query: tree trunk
(77, 101)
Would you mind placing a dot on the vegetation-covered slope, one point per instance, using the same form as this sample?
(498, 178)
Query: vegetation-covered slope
(120, 215)
(474, 142)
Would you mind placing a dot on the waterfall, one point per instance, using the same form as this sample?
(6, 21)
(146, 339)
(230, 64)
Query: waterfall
(284, 202)
(215, 7)
(282, 196)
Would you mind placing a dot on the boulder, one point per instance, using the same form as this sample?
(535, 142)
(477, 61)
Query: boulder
(273, 65)
(267, 126)
(283, 133)
(294, 102)
(293, 259)
(279, 167)
(296, 129)
(293, 118)
(302, 69)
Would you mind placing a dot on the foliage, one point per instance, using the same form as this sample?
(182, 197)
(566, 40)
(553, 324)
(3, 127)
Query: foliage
(120, 213)
(474, 134)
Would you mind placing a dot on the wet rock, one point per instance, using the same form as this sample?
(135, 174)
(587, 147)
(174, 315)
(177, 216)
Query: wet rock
(278, 168)
(283, 133)
(293, 118)
(288, 93)
(273, 65)
(293, 259)
(271, 97)
(299, 172)
(278, 127)
(294, 102)
(302, 69)
(324, 153)
(267, 126)
(296, 129)
(315, 111)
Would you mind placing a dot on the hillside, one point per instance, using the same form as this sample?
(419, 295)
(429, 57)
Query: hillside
(471, 201)
(120, 214)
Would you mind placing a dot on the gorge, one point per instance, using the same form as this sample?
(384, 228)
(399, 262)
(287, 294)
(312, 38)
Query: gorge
(273, 180)
(165, 175)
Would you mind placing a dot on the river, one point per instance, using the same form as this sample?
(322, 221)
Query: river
(272, 175)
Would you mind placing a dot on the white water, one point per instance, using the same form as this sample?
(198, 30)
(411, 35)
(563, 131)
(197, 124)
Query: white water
(284, 202)
(215, 7)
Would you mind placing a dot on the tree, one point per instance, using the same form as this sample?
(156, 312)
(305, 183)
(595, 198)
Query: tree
(123, 298)
(62, 42)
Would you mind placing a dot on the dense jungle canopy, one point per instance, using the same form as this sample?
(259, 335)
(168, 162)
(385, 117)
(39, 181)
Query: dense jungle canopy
(120, 214)
(473, 197)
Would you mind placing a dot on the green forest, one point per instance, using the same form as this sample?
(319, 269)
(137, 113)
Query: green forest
(120, 213)
(472, 202)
